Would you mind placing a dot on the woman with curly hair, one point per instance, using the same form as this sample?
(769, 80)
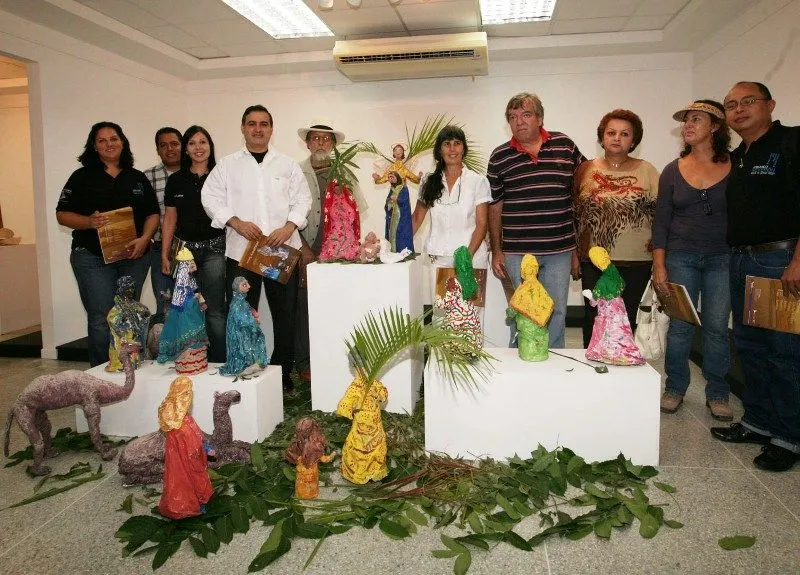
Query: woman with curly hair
(614, 202)
(689, 248)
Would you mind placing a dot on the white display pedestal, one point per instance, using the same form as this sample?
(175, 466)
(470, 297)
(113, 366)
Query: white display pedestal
(254, 417)
(555, 403)
(339, 298)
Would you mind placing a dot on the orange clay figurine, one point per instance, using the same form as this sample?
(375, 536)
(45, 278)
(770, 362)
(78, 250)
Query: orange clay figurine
(306, 451)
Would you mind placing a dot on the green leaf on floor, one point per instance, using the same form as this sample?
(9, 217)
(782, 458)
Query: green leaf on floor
(736, 542)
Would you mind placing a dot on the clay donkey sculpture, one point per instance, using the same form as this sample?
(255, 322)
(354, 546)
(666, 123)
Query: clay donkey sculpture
(71, 387)
(142, 460)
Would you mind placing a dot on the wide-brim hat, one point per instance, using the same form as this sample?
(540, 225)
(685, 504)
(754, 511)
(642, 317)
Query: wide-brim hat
(303, 132)
(680, 115)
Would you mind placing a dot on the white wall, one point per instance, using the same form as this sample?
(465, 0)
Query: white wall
(576, 93)
(16, 180)
(764, 46)
(73, 85)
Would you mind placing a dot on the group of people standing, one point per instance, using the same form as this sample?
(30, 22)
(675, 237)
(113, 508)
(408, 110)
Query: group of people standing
(711, 217)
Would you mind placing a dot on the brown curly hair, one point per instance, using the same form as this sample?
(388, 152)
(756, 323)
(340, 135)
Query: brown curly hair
(309, 443)
(619, 114)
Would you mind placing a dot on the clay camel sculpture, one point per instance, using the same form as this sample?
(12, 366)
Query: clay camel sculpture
(142, 460)
(71, 387)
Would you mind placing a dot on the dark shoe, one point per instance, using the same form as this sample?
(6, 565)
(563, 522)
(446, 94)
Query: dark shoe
(738, 433)
(775, 458)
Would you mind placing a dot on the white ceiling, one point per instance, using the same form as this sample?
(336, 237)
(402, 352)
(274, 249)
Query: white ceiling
(196, 39)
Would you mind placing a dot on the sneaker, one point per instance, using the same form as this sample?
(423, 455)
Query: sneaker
(670, 401)
(720, 410)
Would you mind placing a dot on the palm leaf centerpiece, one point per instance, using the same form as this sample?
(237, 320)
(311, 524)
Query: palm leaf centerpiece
(373, 346)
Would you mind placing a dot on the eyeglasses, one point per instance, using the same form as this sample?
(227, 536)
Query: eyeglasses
(745, 102)
(706, 204)
(320, 139)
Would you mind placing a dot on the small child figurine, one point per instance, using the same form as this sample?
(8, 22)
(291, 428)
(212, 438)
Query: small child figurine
(612, 338)
(127, 321)
(187, 487)
(531, 306)
(183, 339)
(369, 248)
(306, 451)
(245, 342)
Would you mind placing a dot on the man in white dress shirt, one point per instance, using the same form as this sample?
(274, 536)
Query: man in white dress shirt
(258, 190)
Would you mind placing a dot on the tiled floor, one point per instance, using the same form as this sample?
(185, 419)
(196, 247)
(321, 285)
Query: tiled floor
(719, 494)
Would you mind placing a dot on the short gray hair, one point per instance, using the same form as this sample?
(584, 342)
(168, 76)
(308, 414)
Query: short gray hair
(523, 98)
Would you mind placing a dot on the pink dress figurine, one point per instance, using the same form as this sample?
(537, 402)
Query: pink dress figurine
(612, 338)
(342, 226)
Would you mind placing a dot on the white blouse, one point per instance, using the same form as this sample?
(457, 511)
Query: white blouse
(453, 217)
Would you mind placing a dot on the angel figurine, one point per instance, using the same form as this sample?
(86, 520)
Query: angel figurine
(612, 338)
(531, 306)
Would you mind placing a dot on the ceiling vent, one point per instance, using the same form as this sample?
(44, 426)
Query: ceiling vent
(439, 56)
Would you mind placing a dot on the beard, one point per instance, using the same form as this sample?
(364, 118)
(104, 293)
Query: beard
(320, 158)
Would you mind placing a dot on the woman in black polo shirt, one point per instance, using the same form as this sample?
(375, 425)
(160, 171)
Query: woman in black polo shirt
(185, 218)
(107, 181)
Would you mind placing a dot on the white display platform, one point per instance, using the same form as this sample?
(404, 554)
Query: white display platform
(339, 298)
(558, 402)
(254, 417)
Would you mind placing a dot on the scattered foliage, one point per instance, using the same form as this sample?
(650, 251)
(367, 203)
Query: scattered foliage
(64, 440)
(736, 542)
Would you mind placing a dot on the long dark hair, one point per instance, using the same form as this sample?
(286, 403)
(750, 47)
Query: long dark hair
(720, 139)
(433, 187)
(90, 158)
(186, 161)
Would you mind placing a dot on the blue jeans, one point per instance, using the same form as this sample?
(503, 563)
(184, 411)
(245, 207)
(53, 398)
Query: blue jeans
(770, 359)
(159, 282)
(554, 273)
(706, 277)
(97, 285)
(211, 284)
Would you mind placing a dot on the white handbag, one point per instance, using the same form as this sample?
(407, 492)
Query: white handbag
(651, 324)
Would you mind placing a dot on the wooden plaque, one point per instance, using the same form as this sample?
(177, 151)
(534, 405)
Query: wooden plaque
(677, 303)
(117, 234)
(765, 305)
(444, 274)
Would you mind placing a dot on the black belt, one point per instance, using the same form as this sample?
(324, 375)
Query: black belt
(768, 247)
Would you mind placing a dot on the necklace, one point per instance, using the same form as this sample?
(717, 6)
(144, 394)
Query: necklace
(614, 164)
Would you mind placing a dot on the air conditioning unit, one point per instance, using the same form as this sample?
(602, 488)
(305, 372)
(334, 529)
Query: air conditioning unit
(438, 56)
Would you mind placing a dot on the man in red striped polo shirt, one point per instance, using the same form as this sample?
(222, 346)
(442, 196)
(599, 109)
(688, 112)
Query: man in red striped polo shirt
(531, 210)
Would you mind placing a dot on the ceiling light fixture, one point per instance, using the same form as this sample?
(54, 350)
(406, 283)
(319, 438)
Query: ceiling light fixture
(513, 11)
(282, 18)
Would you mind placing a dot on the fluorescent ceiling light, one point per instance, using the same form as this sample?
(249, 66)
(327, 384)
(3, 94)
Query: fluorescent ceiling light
(512, 11)
(281, 18)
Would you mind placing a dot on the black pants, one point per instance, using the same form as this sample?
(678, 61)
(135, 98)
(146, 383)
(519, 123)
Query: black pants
(282, 299)
(636, 277)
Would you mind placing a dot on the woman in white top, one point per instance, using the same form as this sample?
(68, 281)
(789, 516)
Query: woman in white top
(457, 199)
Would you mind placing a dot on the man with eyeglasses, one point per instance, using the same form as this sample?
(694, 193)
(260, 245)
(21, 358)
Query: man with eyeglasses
(763, 198)
(320, 140)
(168, 147)
(531, 209)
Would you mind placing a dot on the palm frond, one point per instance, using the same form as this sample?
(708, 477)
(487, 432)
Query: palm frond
(425, 139)
(371, 148)
(380, 338)
(341, 160)
(474, 158)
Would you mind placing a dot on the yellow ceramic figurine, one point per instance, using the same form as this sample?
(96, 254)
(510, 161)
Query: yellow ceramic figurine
(364, 451)
(531, 307)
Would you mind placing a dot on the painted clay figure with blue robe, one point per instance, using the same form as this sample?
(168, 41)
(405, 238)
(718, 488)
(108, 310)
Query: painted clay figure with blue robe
(245, 342)
(399, 229)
